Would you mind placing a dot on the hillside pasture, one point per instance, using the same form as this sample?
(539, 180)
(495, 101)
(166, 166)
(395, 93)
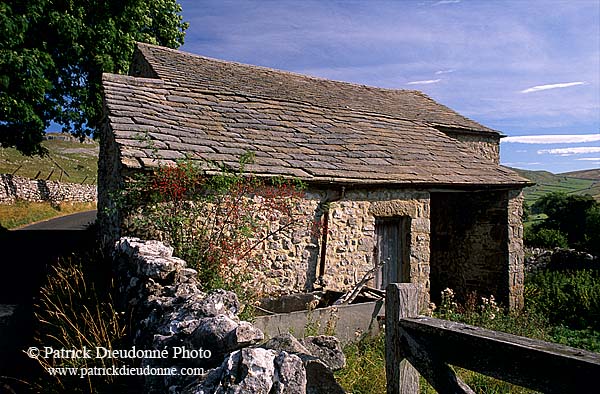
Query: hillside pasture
(547, 182)
(68, 161)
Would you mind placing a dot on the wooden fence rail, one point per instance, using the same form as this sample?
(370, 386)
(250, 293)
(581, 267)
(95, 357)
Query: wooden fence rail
(431, 345)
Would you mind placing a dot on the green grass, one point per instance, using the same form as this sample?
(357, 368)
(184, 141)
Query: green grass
(24, 212)
(547, 182)
(365, 372)
(533, 219)
(79, 162)
(365, 367)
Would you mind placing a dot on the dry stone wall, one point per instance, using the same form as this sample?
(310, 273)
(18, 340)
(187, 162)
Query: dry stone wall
(13, 188)
(170, 312)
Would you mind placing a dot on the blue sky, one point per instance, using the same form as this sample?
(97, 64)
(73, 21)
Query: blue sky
(530, 69)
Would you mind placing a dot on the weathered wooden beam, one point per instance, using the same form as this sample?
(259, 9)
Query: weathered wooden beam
(531, 363)
(401, 300)
(439, 374)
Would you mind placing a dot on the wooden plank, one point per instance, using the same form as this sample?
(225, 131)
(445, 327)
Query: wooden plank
(538, 365)
(441, 377)
(401, 300)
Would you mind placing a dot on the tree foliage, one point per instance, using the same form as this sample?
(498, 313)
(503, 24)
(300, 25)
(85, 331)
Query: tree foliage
(53, 54)
(541, 237)
(571, 218)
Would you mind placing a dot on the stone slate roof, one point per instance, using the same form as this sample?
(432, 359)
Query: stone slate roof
(314, 129)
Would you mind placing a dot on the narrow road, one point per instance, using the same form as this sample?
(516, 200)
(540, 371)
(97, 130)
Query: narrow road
(76, 221)
(26, 257)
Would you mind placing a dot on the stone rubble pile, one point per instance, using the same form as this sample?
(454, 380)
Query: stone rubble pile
(559, 259)
(169, 311)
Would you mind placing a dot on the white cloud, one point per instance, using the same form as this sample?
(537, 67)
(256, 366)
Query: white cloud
(444, 72)
(589, 159)
(552, 86)
(442, 2)
(570, 151)
(553, 139)
(426, 82)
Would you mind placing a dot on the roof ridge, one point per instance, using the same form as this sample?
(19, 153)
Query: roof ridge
(280, 71)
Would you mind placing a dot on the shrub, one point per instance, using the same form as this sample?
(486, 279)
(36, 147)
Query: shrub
(576, 217)
(544, 237)
(569, 298)
(215, 222)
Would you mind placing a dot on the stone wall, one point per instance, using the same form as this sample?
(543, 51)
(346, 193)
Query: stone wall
(110, 181)
(293, 258)
(172, 316)
(468, 244)
(476, 247)
(483, 145)
(13, 188)
(516, 254)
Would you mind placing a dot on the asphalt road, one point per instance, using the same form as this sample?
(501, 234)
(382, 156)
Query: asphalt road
(76, 221)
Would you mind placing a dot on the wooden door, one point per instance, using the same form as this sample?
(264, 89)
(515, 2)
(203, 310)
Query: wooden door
(388, 233)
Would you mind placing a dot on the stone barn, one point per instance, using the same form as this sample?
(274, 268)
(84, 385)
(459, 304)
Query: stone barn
(403, 178)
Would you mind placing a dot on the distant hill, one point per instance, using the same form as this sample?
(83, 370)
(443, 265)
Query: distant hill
(577, 182)
(69, 160)
(584, 174)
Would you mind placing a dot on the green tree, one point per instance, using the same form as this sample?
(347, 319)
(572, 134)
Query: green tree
(526, 211)
(593, 230)
(53, 54)
(575, 216)
(541, 237)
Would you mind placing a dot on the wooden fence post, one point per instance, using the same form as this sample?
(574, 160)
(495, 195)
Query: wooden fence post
(401, 300)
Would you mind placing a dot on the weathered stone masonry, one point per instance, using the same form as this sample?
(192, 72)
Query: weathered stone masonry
(13, 187)
(477, 245)
(294, 257)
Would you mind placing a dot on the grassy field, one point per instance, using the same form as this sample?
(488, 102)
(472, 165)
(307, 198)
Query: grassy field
(25, 212)
(580, 182)
(67, 161)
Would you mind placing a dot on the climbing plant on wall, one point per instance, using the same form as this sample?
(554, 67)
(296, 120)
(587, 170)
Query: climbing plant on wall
(216, 221)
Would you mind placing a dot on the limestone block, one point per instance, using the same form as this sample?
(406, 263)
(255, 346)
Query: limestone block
(327, 348)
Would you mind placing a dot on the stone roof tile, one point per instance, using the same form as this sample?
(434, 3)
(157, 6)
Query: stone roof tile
(317, 130)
